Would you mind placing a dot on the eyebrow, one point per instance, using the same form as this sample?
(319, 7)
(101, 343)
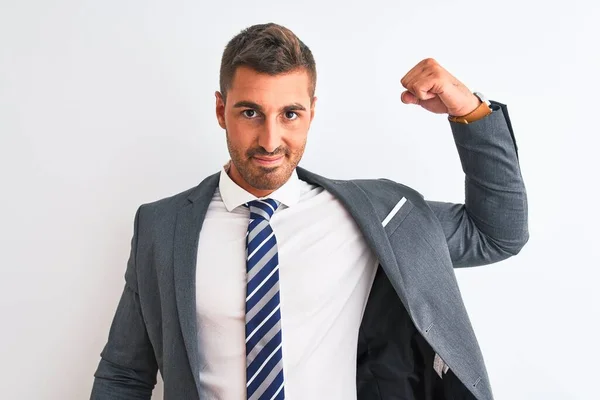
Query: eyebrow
(258, 107)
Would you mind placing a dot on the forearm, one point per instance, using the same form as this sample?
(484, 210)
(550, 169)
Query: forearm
(495, 193)
(492, 223)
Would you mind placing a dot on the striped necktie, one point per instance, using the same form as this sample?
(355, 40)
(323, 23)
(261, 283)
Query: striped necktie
(264, 363)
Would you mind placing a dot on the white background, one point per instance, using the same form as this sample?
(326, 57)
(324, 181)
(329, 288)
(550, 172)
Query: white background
(105, 105)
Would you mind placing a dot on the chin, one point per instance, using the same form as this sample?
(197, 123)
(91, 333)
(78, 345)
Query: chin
(270, 178)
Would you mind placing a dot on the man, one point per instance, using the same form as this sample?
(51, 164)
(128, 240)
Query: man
(267, 281)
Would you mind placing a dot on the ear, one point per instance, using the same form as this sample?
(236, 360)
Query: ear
(220, 109)
(312, 108)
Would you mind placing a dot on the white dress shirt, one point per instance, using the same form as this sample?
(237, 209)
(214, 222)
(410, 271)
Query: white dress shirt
(326, 270)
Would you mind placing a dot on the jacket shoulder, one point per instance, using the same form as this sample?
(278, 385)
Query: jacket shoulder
(173, 201)
(171, 204)
(165, 206)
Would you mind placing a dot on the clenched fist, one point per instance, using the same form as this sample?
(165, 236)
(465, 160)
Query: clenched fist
(429, 85)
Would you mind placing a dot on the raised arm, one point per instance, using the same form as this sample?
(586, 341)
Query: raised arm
(492, 223)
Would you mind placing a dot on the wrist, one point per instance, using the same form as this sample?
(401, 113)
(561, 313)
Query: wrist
(476, 102)
(480, 110)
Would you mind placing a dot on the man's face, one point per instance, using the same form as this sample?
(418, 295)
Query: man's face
(266, 121)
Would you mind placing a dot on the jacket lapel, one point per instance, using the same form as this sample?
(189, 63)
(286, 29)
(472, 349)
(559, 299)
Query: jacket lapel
(361, 209)
(187, 230)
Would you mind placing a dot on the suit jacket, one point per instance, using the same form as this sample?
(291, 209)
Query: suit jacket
(415, 341)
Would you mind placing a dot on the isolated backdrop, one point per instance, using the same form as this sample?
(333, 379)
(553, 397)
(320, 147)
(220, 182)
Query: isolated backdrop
(105, 105)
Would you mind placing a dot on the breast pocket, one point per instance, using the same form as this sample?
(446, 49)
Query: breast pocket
(396, 215)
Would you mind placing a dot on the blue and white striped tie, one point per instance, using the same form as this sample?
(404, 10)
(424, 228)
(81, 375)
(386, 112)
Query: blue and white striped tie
(264, 363)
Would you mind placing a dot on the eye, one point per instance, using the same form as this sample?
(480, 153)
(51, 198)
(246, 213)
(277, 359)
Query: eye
(291, 115)
(250, 114)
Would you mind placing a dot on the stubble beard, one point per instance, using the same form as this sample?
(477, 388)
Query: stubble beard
(264, 178)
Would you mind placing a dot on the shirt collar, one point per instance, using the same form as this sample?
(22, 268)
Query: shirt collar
(234, 196)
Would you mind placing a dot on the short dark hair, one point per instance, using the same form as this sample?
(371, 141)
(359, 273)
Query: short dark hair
(266, 48)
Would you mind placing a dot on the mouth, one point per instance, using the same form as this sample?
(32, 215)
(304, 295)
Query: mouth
(268, 161)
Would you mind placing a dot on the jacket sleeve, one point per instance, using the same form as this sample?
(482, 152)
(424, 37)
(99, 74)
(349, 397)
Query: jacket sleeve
(127, 368)
(492, 224)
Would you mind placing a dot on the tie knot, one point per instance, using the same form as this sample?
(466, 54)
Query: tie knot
(263, 209)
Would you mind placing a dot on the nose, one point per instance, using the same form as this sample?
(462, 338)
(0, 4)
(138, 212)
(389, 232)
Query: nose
(270, 136)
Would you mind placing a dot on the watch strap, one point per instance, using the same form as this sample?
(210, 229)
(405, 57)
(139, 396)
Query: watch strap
(481, 111)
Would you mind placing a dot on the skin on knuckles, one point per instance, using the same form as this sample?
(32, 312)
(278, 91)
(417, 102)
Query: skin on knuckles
(432, 87)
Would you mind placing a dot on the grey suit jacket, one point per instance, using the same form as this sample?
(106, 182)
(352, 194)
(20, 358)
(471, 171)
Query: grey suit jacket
(417, 242)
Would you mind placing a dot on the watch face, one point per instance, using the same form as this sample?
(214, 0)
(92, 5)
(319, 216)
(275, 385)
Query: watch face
(482, 97)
